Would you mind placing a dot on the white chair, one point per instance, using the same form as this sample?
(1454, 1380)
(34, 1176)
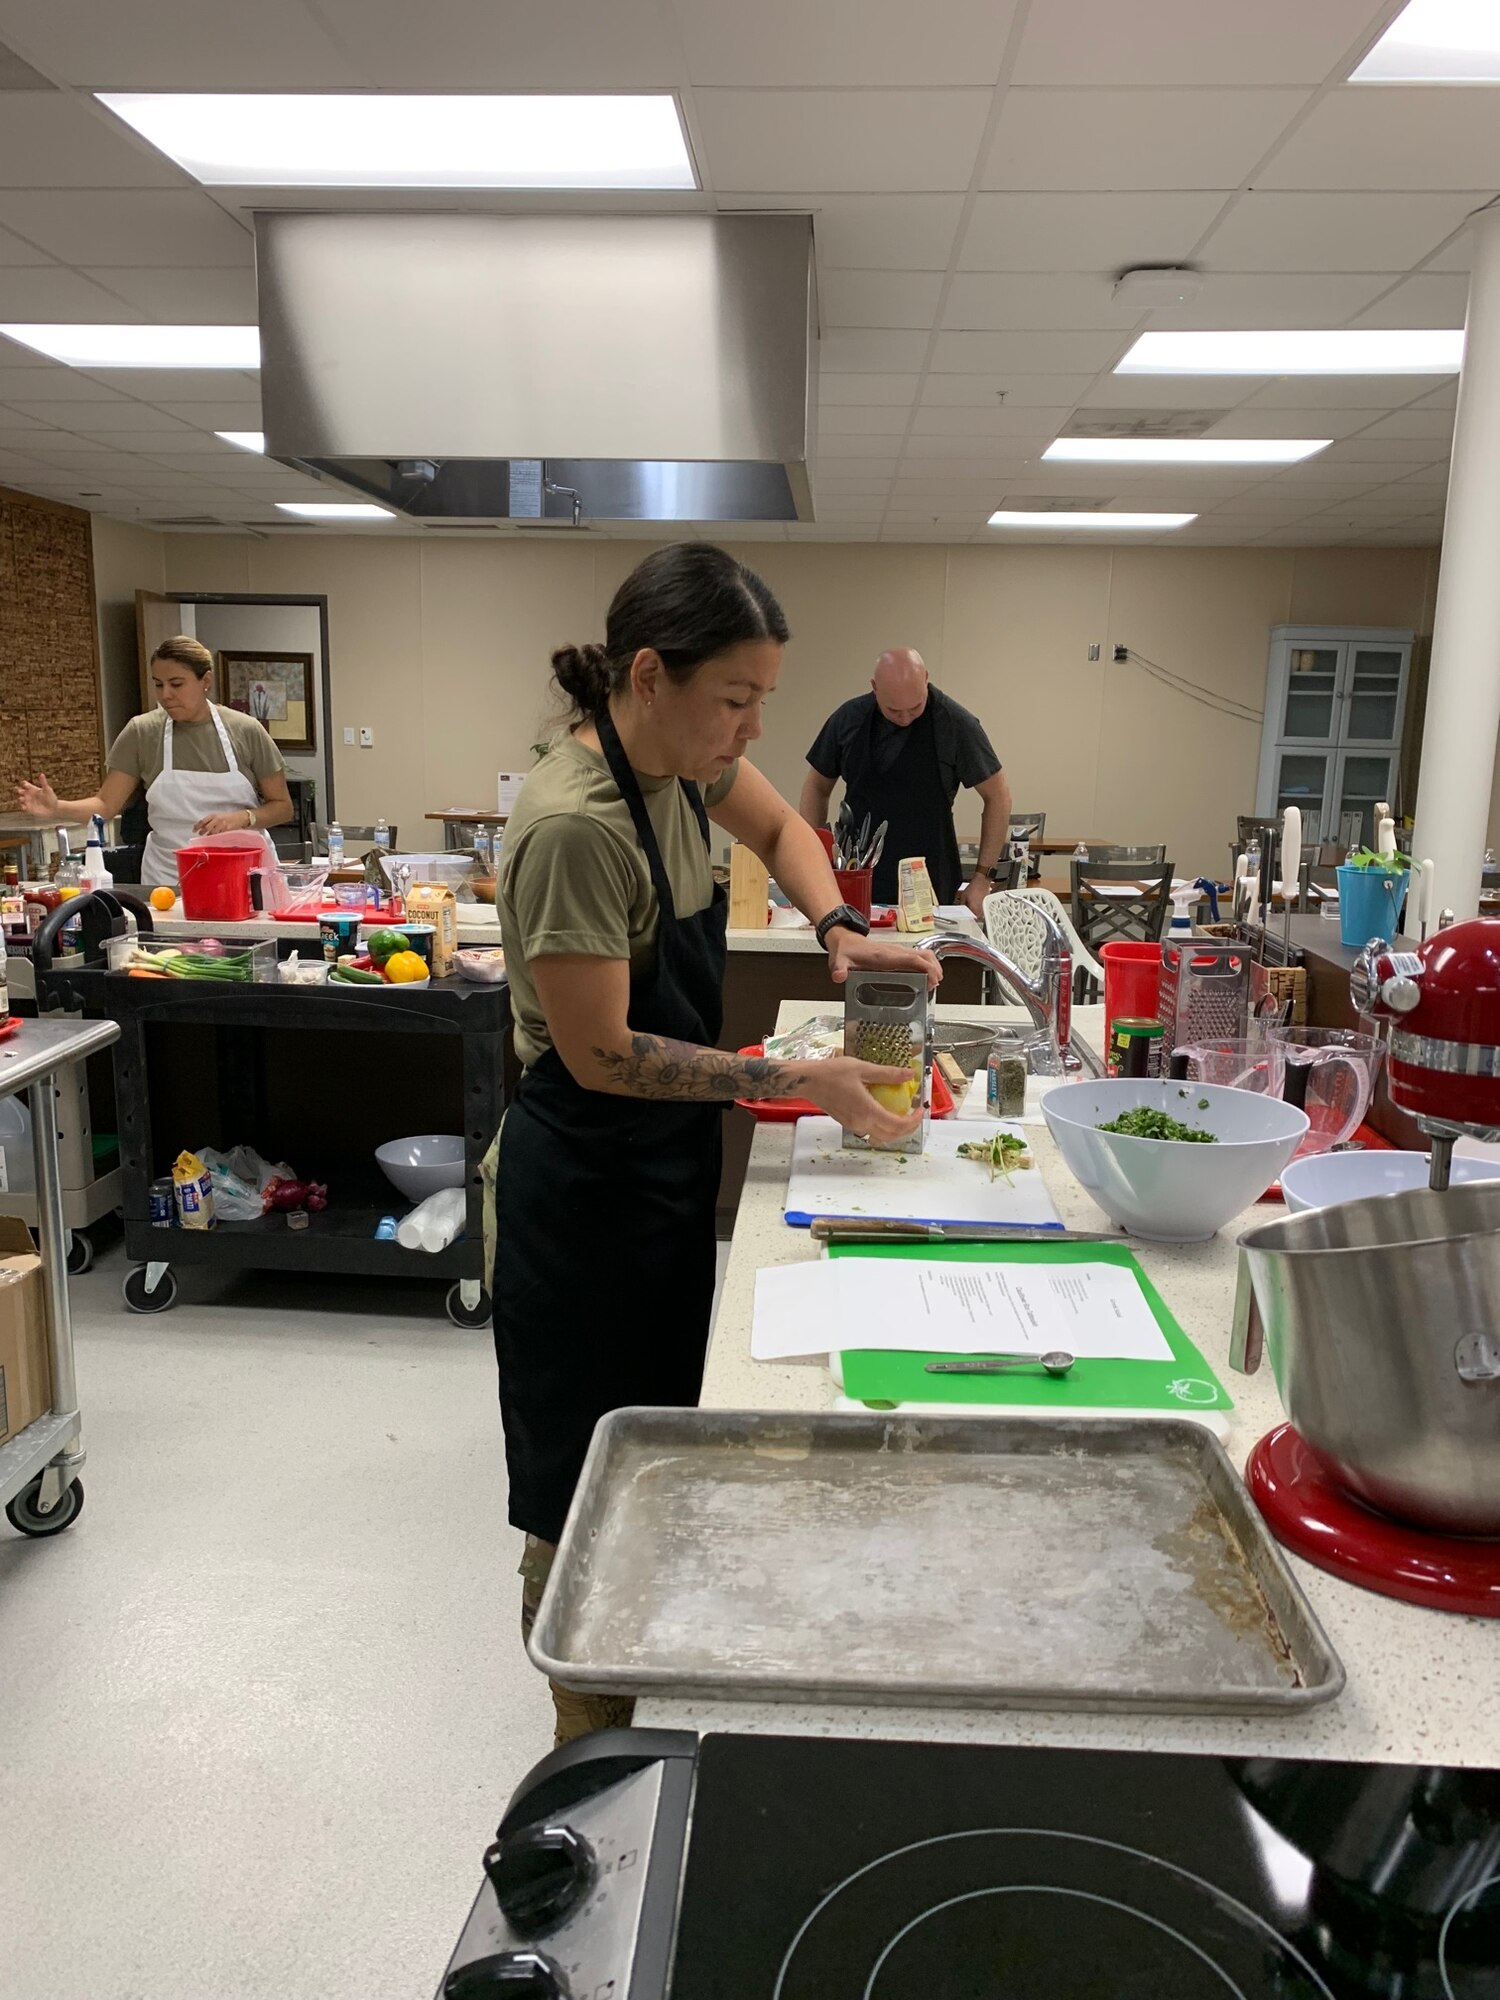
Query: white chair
(1011, 925)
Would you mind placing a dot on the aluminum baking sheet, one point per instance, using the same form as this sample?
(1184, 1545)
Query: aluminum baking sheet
(969, 1562)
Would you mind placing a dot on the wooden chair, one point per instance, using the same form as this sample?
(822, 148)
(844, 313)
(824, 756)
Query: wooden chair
(1139, 918)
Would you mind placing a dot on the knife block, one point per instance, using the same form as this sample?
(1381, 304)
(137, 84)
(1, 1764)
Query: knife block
(749, 890)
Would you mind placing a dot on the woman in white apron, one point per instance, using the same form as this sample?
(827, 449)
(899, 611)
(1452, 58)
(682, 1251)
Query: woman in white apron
(204, 770)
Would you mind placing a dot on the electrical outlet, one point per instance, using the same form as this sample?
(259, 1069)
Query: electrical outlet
(367, 739)
(1122, 653)
(349, 737)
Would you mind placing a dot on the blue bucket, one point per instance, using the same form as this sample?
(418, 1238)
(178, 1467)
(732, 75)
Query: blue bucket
(1369, 904)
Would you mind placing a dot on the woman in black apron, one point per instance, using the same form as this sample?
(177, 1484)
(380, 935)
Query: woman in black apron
(607, 1169)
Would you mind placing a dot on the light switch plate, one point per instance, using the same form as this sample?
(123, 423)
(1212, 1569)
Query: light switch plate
(367, 739)
(349, 736)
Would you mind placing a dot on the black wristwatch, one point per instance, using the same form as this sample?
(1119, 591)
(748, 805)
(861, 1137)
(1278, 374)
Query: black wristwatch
(850, 919)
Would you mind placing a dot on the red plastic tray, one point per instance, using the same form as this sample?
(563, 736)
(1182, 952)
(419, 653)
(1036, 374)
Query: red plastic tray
(787, 1110)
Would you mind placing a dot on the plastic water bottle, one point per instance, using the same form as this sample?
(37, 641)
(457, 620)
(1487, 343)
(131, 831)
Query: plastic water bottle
(335, 844)
(1081, 851)
(382, 836)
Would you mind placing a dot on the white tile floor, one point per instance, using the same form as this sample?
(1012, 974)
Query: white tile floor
(260, 1708)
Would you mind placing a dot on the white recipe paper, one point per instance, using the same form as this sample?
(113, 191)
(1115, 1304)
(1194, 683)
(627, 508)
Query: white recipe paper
(1095, 1311)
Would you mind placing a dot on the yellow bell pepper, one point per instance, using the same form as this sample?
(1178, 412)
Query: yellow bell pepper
(402, 968)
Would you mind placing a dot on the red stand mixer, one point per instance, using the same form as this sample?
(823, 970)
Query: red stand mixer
(1381, 1317)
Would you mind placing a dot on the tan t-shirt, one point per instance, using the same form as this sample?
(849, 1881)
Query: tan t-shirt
(574, 880)
(138, 749)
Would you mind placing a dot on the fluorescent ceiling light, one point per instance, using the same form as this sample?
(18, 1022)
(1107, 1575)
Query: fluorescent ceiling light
(143, 346)
(1334, 351)
(1009, 518)
(1185, 451)
(1437, 41)
(379, 141)
(334, 510)
(246, 440)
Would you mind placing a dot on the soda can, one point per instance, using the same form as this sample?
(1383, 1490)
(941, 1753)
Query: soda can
(162, 1203)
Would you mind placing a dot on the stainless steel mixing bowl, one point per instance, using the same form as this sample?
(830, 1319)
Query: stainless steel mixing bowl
(1382, 1321)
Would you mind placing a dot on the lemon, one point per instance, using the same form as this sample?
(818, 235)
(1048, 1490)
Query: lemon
(894, 1097)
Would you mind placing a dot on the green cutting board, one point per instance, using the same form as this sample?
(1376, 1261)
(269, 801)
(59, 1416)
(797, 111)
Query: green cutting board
(1185, 1383)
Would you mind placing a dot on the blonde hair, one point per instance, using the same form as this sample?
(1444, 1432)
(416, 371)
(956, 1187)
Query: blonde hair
(185, 652)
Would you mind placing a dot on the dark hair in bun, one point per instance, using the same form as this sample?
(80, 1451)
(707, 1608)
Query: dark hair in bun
(687, 603)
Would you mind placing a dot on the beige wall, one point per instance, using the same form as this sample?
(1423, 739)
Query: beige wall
(126, 559)
(441, 648)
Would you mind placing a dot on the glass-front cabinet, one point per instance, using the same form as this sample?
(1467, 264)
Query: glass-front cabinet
(1335, 703)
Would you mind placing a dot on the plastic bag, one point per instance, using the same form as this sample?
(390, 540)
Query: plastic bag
(239, 1180)
(193, 1191)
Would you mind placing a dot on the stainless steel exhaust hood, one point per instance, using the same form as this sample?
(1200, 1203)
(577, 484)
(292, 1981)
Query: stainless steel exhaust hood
(546, 369)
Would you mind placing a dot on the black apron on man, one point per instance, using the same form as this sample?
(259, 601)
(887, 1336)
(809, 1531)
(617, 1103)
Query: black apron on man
(604, 1215)
(900, 779)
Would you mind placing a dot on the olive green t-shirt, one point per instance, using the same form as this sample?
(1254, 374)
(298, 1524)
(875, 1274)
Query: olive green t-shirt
(574, 880)
(138, 749)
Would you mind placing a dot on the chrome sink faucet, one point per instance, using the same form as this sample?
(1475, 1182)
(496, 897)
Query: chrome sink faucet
(1047, 998)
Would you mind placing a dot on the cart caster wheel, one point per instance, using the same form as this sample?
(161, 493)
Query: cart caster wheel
(80, 1254)
(462, 1315)
(140, 1300)
(24, 1514)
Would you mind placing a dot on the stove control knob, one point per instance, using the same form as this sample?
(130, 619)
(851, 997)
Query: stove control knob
(1400, 993)
(507, 1975)
(539, 1875)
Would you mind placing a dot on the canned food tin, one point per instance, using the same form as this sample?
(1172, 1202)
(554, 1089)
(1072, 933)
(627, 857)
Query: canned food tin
(1134, 1047)
(162, 1203)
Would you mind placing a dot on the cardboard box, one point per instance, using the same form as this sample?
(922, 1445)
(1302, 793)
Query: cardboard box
(25, 1358)
(431, 903)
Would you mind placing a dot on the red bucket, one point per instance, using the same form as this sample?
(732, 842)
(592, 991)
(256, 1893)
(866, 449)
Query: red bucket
(1132, 974)
(216, 881)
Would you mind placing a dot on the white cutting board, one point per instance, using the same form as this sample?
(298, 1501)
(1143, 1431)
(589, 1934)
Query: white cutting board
(935, 1186)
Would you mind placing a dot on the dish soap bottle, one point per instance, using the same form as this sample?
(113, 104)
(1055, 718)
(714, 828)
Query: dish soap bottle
(95, 874)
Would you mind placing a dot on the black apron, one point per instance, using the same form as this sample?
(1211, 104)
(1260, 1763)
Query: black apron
(604, 1217)
(911, 795)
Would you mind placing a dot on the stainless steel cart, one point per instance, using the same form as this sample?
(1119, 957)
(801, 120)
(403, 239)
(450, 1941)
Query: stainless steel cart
(39, 1484)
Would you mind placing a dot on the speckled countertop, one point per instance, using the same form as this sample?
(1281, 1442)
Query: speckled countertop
(1418, 1681)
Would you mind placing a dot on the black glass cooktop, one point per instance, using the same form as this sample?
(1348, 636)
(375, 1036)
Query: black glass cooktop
(889, 1871)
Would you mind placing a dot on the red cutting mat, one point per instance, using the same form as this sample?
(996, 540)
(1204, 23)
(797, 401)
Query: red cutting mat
(787, 1110)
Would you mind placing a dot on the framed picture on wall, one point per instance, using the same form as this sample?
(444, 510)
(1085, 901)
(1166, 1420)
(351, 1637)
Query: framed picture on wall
(277, 689)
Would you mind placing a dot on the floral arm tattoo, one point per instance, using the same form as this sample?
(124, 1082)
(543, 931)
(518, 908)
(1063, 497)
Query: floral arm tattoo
(659, 1067)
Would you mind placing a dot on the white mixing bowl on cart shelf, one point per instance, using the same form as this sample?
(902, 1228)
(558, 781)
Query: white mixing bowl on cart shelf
(423, 1165)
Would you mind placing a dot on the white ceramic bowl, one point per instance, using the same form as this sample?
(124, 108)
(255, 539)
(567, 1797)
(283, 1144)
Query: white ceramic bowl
(421, 1166)
(1325, 1178)
(1165, 1190)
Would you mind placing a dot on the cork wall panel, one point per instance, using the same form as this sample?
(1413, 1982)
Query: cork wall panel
(49, 657)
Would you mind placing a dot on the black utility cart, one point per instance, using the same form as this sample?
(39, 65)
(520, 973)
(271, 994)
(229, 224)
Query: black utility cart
(318, 1076)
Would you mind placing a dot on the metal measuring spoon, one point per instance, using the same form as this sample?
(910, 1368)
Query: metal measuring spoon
(1056, 1362)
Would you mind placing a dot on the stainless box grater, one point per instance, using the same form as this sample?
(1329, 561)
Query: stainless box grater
(888, 1019)
(1204, 994)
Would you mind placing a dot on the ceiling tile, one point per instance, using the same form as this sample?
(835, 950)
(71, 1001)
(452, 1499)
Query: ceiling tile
(48, 292)
(1170, 392)
(994, 301)
(1254, 421)
(939, 465)
(897, 391)
(905, 141)
(225, 416)
(850, 351)
(204, 297)
(865, 444)
(100, 45)
(15, 250)
(564, 45)
(182, 385)
(1387, 450)
(1032, 391)
(1330, 232)
(1431, 298)
(102, 227)
(51, 379)
(111, 414)
(1348, 392)
(878, 298)
(872, 232)
(859, 419)
(1189, 41)
(1275, 299)
(1434, 425)
(179, 441)
(1135, 138)
(1007, 420)
(1443, 397)
(1410, 138)
(843, 42)
(48, 139)
(1083, 232)
(969, 353)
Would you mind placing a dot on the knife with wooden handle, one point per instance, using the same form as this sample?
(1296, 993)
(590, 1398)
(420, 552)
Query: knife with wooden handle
(882, 1229)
